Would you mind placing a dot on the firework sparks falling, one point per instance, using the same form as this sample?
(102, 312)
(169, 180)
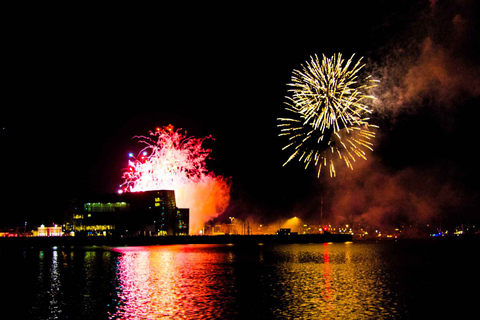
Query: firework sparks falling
(171, 160)
(331, 113)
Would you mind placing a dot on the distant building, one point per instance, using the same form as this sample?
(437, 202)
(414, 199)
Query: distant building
(42, 231)
(286, 232)
(9, 234)
(233, 227)
(148, 213)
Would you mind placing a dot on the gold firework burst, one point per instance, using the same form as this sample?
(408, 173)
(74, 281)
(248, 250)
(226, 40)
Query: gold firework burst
(331, 113)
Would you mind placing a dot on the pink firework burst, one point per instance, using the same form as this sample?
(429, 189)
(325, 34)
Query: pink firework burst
(172, 161)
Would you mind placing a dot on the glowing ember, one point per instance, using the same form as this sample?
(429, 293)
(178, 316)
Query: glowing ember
(173, 161)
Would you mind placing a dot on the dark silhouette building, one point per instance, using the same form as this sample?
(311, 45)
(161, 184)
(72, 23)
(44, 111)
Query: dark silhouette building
(148, 213)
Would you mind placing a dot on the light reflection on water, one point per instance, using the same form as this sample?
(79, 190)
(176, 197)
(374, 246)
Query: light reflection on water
(64, 283)
(389, 280)
(306, 281)
(329, 281)
(174, 281)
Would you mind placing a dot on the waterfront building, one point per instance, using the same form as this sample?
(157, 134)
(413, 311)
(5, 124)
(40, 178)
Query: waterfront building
(42, 231)
(286, 232)
(147, 213)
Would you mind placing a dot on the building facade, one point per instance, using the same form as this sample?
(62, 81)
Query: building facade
(148, 213)
(43, 231)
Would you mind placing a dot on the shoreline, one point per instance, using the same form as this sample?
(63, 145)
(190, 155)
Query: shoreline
(169, 240)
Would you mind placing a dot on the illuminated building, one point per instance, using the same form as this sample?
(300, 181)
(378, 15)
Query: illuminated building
(42, 231)
(148, 213)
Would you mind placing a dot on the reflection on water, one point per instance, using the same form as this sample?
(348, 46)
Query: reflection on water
(174, 281)
(405, 280)
(306, 281)
(49, 279)
(59, 283)
(329, 281)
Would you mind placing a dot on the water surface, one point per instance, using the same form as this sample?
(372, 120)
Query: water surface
(361, 280)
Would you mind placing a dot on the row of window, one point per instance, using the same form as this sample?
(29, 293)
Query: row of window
(105, 207)
(95, 228)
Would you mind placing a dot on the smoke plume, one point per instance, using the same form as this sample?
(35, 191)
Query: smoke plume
(437, 65)
(418, 171)
(377, 196)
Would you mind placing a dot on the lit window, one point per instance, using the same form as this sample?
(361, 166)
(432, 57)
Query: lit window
(157, 204)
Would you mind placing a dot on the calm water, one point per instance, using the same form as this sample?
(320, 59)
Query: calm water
(361, 280)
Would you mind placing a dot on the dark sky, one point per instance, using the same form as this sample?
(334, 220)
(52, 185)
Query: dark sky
(79, 81)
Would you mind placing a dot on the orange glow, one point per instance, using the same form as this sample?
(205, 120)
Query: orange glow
(293, 224)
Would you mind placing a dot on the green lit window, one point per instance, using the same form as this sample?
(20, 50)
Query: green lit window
(105, 207)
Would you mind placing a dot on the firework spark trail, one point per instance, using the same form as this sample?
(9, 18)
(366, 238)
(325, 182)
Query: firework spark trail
(331, 113)
(173, 161)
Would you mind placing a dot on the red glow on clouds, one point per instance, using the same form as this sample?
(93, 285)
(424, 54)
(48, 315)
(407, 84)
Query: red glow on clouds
(173, 161)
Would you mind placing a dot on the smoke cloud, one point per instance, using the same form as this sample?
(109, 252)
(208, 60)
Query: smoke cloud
(437, 65)
(428, 78)
(377, 196)
(206, 199)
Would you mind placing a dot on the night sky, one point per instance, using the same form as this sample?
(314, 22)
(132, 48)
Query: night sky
(80, 81)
